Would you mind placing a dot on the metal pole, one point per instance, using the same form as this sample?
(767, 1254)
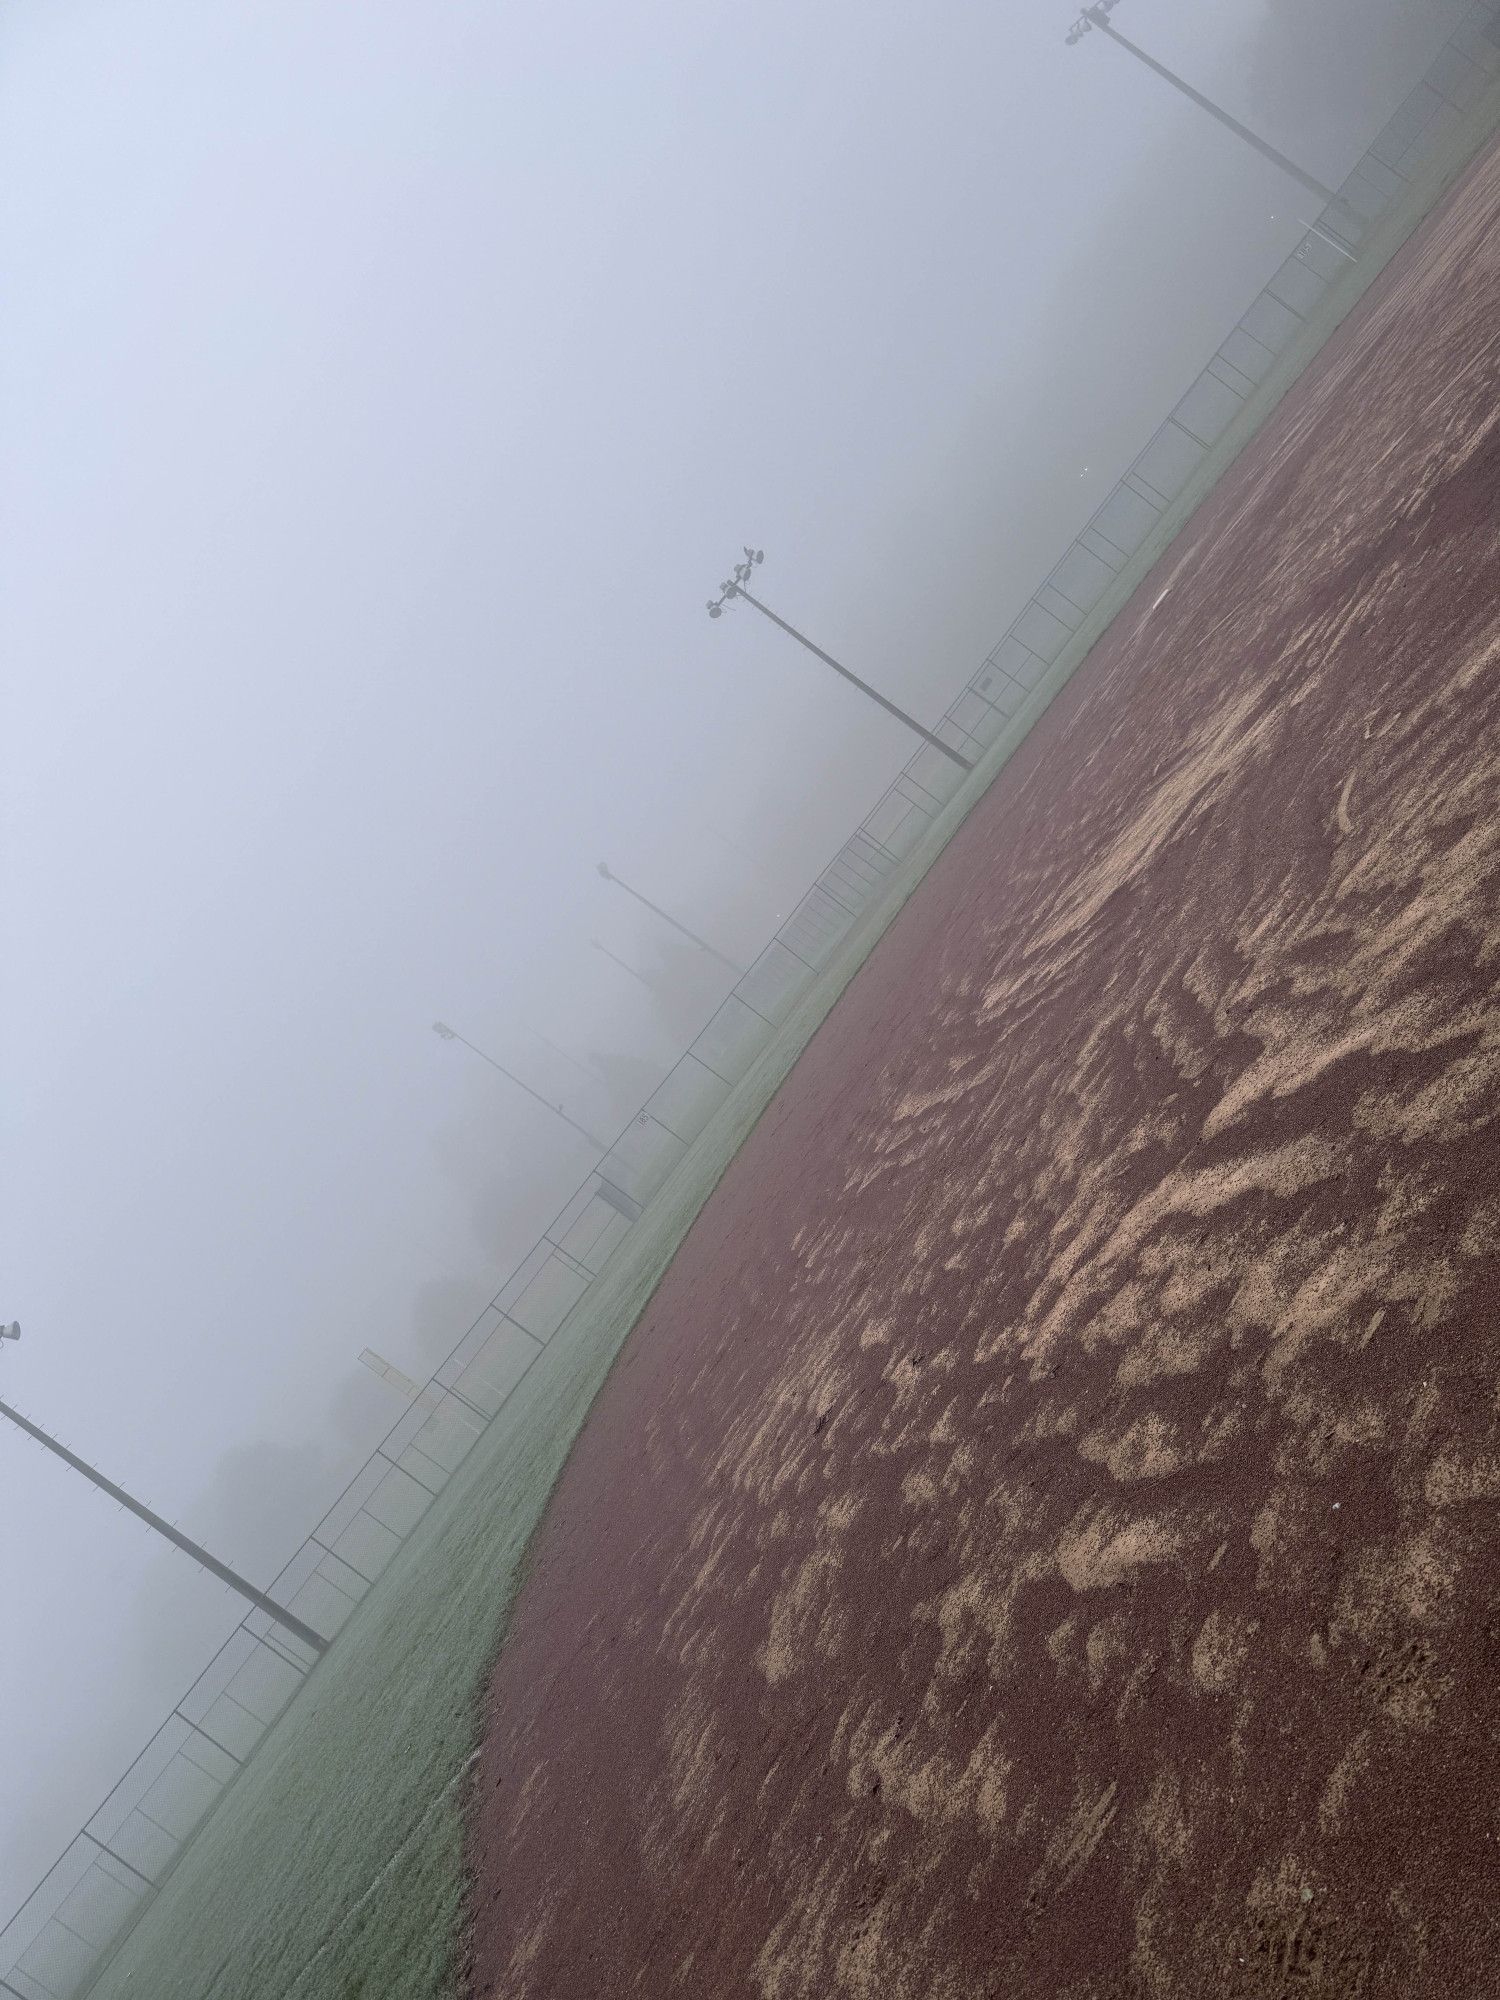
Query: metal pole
(863, 686)
(104, 1848)
(1099, 19)
(1324, 236)
(452, 1035)
(624, 964)
(199, 1554)
(583, 1068)
(667, 918)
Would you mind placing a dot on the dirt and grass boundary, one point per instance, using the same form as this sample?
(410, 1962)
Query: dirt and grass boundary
(333, 1869)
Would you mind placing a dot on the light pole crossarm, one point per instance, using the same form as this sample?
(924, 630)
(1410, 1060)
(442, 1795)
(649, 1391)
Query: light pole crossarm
(864, 687)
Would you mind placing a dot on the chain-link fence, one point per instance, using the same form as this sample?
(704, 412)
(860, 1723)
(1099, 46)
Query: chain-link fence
(52, 1948)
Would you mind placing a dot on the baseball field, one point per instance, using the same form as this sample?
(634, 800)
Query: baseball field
(1043, 1536)
(1039, 1538)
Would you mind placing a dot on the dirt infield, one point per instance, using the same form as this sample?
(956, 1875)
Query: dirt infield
(1042, 1538)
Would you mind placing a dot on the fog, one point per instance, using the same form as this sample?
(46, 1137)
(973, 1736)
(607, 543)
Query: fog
(386, 390)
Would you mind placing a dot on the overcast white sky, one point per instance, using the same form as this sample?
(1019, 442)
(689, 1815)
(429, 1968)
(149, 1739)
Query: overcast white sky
(385, 391)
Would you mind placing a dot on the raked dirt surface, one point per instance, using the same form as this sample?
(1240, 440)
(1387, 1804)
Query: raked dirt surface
(1042, 1540)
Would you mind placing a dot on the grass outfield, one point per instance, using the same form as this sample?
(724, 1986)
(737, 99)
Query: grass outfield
(333, 1870)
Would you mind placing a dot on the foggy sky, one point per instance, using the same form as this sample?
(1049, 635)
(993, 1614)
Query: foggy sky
(385, 394)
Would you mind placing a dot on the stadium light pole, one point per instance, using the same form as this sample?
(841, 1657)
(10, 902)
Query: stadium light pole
(667, 918)
(1097, 16)
(735, 587)
(623, 963)
(447, 1034)
(583, 1068)
(288, 1620)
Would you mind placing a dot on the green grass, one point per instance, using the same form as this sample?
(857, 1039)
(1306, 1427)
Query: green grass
(333, 1869)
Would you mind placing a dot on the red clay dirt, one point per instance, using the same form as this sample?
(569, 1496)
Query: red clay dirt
(1041, 1540)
